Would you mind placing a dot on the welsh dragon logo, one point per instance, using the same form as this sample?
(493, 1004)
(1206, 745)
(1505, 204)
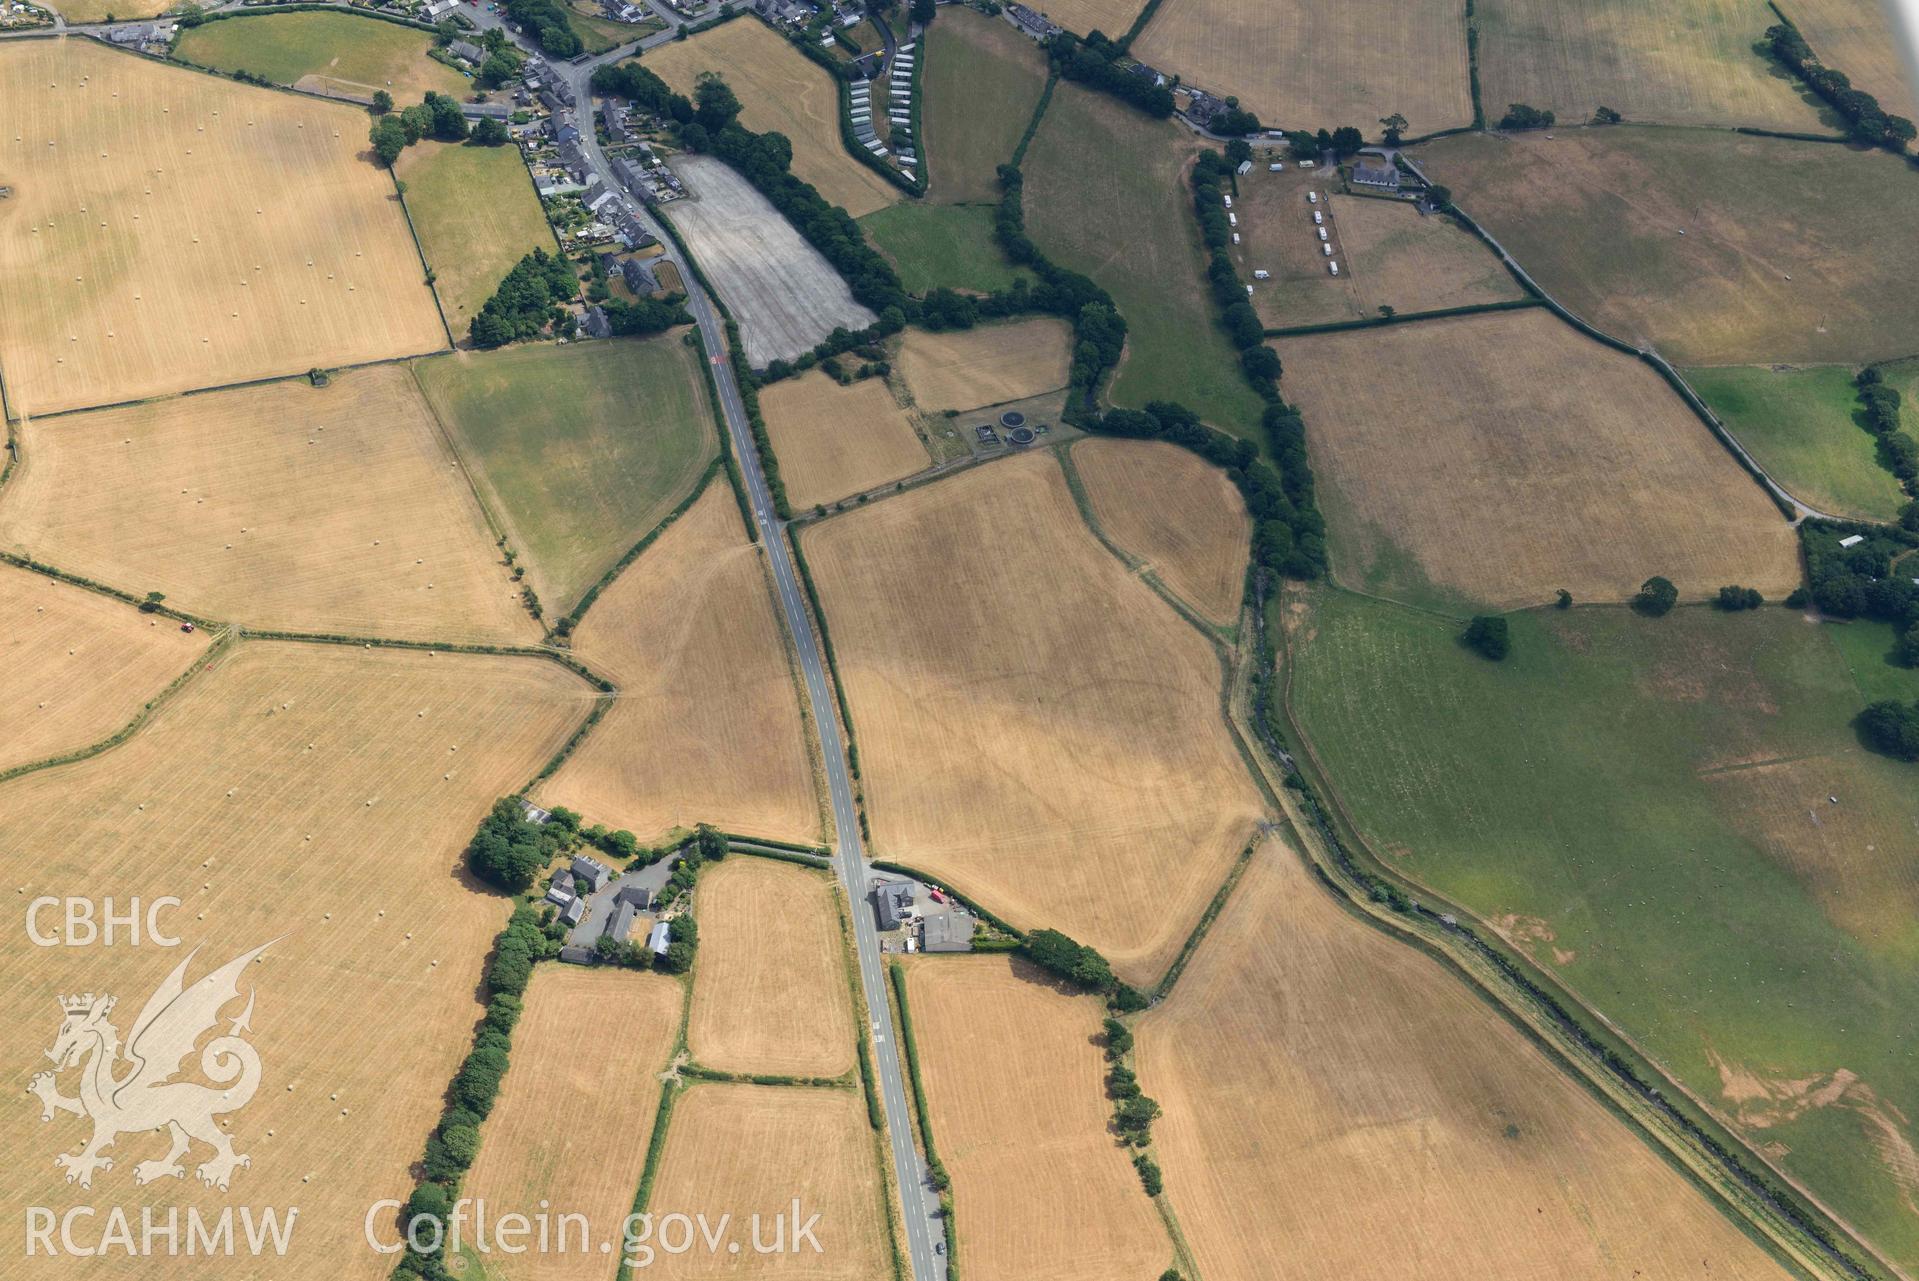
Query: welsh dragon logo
(130, 1089)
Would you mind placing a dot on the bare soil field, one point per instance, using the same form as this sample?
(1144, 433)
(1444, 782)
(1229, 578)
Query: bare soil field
(1015, 1085)
(1034, 724)
(1294, 61)
(1792, 252)
(989, 365)
(750, 1149)
(75, 666)
(476, 214)
(707, 727)
(314, 797)
(334, 509)
(171, 230)
(781, 92)
(834, 441)
(1688, 62)
(1179, 514)
(786, 296)
(770, 994)
(1486, 460)
(1856, 38)
(1375, 1118)
(571, 1127)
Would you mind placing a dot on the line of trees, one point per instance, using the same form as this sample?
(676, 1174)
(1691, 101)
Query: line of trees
(1342, 142)
(1867, 121)
(1879, 409)
(1520, 116)
(1094, 62)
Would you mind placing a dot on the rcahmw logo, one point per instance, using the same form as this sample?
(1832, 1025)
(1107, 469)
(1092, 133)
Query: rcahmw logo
(130, 1088)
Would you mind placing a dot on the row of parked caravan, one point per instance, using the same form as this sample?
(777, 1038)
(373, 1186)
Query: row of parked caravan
(899, 116)
(1319, 226)
(860, 104)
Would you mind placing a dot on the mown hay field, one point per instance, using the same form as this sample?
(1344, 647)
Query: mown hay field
(1081, 16)
(1035, 726)
(1320, 63)
(1799, 423)
(834, 441)
(1676, 817)
(316, 797)
(1686, 62)
(781, 92)
(983, 79)
(1105, 195)
(1181, 516)
(1016, 1094)
(78, 11)
(1858, 39)
(707, 727)
(1375, 1118)
(1494, 459)
(771, 995)
(575, 1114)
(337, 53)
(170, 230)
(1794, 251)
(579, 450)
(751, 1149)
(75, 666)
(988, 365)
(283, 505)
(477, 215)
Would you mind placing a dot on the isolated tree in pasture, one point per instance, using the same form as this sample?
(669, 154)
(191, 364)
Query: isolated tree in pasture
(1656, 597)
(1488, 636)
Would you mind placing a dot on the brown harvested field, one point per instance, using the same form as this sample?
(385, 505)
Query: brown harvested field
(1493, 459)
(1176, 512)
(1375, 1118)
(1035, 725)
(319, 796)
(1015, 1087)
(571, 1127)
(171, 230)
(1856, 37)
(770, 994)
(833, 441)
(989, 365)
(751, 1149)
(1794, 251)
(707, 727)
(784, 93)
(75, 666)
(1683, 62)
(334, 509)
(1081, 16)
(1295, 60)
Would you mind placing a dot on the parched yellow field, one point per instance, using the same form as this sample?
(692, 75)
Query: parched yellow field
(1035, 726)
(1688, 62)
(1855, 37)
(784, 93)
(170, 230)
(477, 215)
(751, 1149)
(1015, 1088)
(316, 797)
(1176, 512)
(1375, 1118)
(75, 666)
(1081, 16)
(575, 1112)
(1494, 459)
(707, 727)
(770, 994)
(833, 441)
(1320, 62)
(333, 509)
(988, 365)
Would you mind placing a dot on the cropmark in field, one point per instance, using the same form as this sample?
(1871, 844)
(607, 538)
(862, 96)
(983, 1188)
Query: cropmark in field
(835, 441)
(1033, 723)
(1183, 518)
(170, 230)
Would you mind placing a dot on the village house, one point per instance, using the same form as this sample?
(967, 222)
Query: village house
(1380, 175)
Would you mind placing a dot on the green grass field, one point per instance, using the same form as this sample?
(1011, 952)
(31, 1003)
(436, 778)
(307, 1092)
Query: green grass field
(476, 214)
(579, 450)
(600, 34)
(1643, 804)
(1105, 195)
(933, 245)
(354, 55)
(1799, 424)
(983, 79)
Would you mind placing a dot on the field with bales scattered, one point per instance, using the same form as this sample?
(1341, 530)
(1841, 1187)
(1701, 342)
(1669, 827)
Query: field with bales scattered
(314, 799)
(168, 230)
(989, 365)
(1033, 722)
(339, 54)
(707, 727)
(476, 214)
(1676, 817)
(982, 80)
(1182, 518)
(1496, 459)
(834, 441)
